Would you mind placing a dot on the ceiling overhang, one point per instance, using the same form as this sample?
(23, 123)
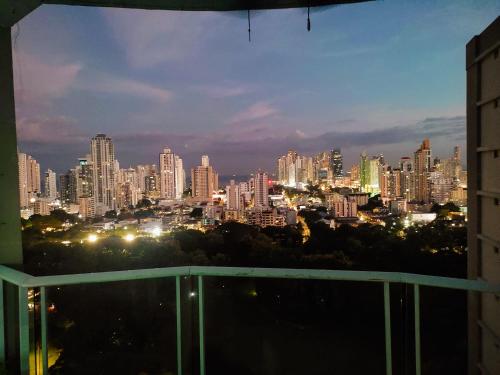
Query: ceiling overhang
(12, 11)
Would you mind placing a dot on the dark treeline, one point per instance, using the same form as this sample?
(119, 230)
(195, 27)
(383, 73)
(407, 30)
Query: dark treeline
(436, 249)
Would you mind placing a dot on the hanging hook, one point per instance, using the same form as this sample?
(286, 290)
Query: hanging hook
(308, 19)
(249, 30)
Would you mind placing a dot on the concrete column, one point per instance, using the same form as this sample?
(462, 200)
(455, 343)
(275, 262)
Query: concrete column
(11, 251)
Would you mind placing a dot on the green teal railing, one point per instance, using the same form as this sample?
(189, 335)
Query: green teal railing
(24, 281)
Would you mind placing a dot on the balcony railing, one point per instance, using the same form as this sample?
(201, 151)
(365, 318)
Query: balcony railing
(24, 282)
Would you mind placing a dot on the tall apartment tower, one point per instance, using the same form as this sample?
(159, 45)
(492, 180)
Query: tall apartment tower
(233, 196)
(407, 187)
(204, 180)
(483, 166)
(364, 171)
(261, 197)
(180, 178)
(102, 153)
(336, 162)
(84, 178)
(422, 165)
(167, 174)
(50, 184)
(68, 186)
(29, 178)
(457, 162)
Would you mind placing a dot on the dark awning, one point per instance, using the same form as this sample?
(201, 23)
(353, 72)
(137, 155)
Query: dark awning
(11, 11)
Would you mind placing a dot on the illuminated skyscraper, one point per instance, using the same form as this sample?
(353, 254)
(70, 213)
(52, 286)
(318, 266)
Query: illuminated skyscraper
(29, 178)
(204, 180)
(407, 187)
(50, 184)
(180, 178)
(373, 176)
(233, 196)
(261, 198)
(84, 182)
(167, 174)
(422, 164)
(364, 173)
(103, 173)
(336, 163)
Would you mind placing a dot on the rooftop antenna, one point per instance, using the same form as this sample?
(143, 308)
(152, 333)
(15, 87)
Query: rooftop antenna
(249, 30)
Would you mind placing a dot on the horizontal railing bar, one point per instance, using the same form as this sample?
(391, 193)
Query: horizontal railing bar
(99, 277)
(25, 280)
(450, 283)
(297, 273)
(13, 276)
(341, 275)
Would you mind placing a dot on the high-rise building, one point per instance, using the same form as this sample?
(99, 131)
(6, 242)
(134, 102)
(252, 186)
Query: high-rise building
(29, 178)
(151, 185)
(364, 172)
(384, 178)
(102, 153)
(68, 187)
(422, 164)
(233, 196)
(50, 184)
(483, 227)
(336, 163)
(180, 178)
(204, 180)
(127, 188)
(407, 187)
(372, 176)
(457, 162)
(167, 174)
(287, 168)
(440, 187)
(85, 179)
(354, 176)
(261, 195)
(395, 184)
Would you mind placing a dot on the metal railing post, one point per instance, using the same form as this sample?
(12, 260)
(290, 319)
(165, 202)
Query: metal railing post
(201, 319)
(416, 298)
(179, 323)
(43, 323)
(24, 335)
(388, 340)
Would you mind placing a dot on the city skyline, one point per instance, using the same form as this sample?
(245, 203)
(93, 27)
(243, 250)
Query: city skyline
(335, 153)
(395, 87)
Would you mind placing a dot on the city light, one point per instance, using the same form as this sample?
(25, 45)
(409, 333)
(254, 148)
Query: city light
(192, 294)
(156, 232)
(92, 238)
(129, 237)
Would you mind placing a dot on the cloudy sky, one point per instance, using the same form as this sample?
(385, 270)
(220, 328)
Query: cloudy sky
(375, 76)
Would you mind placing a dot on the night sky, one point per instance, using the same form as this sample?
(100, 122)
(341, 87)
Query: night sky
(376, 76)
